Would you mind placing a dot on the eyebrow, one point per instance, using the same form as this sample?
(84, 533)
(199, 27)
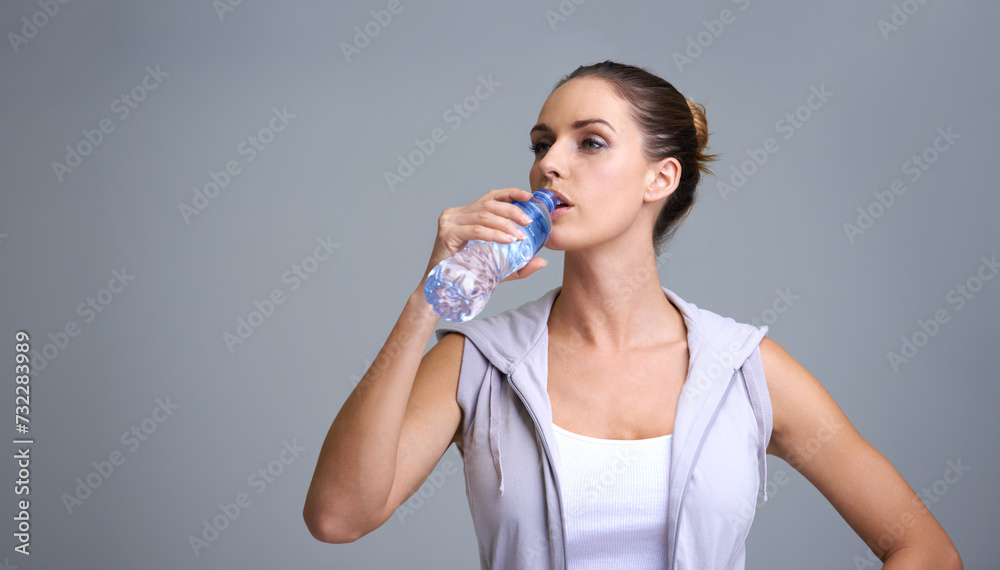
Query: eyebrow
(542, 127)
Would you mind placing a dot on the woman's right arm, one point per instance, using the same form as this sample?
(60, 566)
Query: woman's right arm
(403, 414)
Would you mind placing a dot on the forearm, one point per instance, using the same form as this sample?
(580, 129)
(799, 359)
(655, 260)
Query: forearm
(356, 466)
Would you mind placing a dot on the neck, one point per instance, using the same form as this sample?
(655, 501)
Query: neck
(611, 302)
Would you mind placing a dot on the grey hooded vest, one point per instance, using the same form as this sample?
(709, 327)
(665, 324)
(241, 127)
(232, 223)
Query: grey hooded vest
(721, 431)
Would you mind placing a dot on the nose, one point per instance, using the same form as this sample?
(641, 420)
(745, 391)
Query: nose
(552, 165)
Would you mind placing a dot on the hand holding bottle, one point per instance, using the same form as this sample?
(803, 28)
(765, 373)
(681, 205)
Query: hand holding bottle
(458, 288)
(490, 218)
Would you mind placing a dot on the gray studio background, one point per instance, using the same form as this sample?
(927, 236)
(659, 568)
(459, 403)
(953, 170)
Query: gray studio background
(210, 76)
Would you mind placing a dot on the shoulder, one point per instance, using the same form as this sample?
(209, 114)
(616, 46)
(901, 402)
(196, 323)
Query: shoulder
(505, 337)
(802, 409)
(786, 377)
(776, 361)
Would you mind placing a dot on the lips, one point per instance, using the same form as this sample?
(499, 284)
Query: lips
(560, 210)
(561, 198)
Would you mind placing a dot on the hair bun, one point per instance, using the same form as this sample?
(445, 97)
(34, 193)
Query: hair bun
(700, 123)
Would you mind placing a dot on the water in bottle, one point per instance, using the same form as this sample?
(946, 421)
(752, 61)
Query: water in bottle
(459, 287)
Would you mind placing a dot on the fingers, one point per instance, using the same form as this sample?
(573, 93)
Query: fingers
(505, 216)
(493, 217)
(532, 266)
(499, 202)
(490, 218)
(487, 226)
(509, 194)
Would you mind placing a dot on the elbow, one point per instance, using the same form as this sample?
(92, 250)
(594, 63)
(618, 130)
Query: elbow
(936, 558)
(954, 561)
(330, 529)
(948, 557)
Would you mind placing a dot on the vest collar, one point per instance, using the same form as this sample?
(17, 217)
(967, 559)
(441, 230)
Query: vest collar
(516, 343)
(507, 338)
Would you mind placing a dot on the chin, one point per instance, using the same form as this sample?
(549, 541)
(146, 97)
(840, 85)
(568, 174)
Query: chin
(561, 242)
(553, 244)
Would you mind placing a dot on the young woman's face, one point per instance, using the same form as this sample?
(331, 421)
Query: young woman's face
(588, 151)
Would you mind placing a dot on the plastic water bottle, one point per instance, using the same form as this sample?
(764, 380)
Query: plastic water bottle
(459, 287)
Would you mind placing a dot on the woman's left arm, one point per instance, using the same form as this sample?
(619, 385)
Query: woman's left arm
(814, 436)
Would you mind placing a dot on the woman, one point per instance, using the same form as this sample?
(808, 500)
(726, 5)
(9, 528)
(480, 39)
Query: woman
(609, 421)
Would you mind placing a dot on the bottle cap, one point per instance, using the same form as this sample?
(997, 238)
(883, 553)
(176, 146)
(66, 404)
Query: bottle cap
(545, 196)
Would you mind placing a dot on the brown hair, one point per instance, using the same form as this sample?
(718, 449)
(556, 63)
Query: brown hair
(671, 126)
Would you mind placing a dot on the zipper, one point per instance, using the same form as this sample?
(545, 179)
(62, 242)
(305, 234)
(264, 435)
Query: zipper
(548, 457)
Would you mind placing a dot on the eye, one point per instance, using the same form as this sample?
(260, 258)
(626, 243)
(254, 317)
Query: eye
(538, 147)
(588, 143)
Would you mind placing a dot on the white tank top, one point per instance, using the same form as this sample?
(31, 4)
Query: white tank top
(614, 500)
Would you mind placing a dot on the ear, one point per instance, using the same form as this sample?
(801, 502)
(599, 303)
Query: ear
(664, 178)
